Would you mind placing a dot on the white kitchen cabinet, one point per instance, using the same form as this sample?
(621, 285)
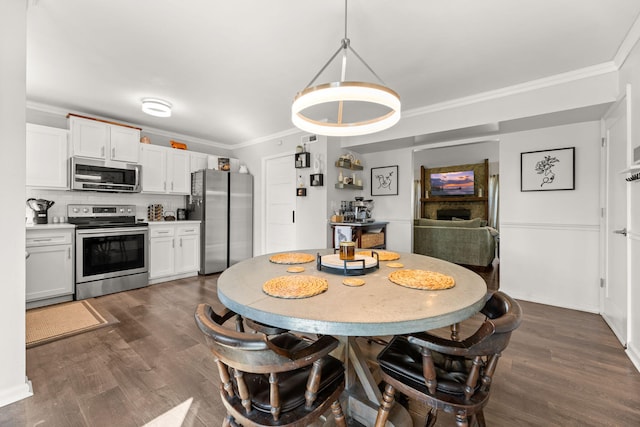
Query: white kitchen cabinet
(101, 140)
(187, 248)
(199, 161)
(49, 265)
(47, 156)
(174, 250)
(165, 170)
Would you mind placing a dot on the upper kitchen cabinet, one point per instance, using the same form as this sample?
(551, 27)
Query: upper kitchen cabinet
(165, 170)
(104, 140)
(199, 161)
(47, 155)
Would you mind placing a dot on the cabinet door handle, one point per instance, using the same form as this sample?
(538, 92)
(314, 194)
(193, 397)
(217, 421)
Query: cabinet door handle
(102, 151)
(293, 217)
(27, 255)
(171, 185)
(164, 186)
(189, 231)
(69, 253)
(181, 242)
(173, 243)
(113, 152)
(163, 232)
(41, 240)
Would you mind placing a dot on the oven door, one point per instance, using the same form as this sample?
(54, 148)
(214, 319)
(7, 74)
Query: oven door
(103, 253)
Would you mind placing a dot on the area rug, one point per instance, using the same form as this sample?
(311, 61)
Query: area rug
(59, 321)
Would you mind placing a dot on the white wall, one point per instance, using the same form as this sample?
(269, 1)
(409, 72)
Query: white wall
(311, 211)
(458, 155)
(549, 240)
(397, 210)
(630, 73)
(13, 382)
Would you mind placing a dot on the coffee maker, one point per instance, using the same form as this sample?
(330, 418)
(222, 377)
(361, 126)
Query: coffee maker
(40, 208)
(363, 210)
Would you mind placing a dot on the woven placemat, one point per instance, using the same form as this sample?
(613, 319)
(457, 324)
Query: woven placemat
(382, 255)
(292, 258)
(299, 286)
(422, 279)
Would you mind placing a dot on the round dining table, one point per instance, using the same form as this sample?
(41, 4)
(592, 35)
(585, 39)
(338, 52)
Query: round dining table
(377, 308)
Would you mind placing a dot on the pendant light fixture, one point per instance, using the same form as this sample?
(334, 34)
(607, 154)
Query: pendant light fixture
(344, 95)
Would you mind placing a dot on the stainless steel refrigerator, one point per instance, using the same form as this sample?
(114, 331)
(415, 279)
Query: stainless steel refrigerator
(223, 201)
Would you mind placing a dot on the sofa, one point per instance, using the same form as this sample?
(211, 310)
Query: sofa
(468, 242)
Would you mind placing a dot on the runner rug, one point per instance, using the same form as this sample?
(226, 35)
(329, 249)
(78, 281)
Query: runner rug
(47, 324)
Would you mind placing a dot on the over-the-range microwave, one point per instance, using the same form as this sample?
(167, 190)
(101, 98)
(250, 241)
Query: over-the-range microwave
(99, 175)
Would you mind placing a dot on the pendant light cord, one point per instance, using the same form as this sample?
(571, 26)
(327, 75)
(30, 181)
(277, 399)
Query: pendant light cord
(344, 45)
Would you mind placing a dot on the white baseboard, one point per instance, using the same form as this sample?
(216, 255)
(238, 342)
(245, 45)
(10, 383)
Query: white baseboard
(634, 355)
(13, 394)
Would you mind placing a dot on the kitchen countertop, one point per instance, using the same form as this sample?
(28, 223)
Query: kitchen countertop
(190, 221)
(50, 226)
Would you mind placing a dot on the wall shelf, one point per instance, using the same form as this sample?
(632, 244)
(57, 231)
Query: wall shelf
(342, 186)
(316, 179)
(303, 160)
(348, 165)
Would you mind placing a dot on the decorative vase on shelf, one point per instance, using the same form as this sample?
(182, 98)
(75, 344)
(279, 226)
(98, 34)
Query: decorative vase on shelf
(316, 163)
(340, 177)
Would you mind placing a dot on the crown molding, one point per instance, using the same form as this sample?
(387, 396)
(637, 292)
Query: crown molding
(568, 77)
(627, 44)
(59, 111)
(278, 135)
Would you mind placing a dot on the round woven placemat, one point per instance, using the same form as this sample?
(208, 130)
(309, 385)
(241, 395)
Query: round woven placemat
(422, 279)
(382, 255)
(298, 286)
(292, 258)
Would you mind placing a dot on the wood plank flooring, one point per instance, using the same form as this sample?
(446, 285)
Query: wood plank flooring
(562, 368)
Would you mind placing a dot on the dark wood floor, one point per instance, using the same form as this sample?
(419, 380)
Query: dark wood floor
(562, 368)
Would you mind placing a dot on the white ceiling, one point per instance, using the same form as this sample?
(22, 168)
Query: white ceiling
(232, 68)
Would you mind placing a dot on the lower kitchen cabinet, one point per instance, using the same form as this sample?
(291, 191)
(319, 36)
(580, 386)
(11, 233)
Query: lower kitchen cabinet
(174, 250)
(49, 266)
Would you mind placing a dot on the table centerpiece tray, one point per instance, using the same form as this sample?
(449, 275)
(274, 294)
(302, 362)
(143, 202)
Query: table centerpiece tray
(358, 266)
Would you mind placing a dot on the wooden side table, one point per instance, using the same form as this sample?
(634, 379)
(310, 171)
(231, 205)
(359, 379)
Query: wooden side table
(362, 234)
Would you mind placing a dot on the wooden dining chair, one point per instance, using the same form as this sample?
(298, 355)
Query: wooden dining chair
(447, 374)
(282, 380)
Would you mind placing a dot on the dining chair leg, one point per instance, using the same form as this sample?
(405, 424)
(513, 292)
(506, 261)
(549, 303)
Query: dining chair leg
(338, 415)
(480, 419)
(227, 421)
(432, 417)
(385, 405)
(461, 420)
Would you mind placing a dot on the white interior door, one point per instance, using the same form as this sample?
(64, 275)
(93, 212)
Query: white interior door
(280, 198)
(615, 291)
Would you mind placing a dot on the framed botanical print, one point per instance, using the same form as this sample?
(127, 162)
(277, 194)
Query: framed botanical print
(548, 170)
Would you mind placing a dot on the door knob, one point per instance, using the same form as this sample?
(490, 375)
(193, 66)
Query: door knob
(623, 231)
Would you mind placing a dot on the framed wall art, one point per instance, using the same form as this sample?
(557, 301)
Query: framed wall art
(548, 170)
(384, 181)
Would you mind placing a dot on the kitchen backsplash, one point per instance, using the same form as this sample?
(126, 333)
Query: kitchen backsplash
(141, 200)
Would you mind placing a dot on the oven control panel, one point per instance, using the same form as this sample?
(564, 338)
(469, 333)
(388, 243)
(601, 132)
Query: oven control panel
(94, 211)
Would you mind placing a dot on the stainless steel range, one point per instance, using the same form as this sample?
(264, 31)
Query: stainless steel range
(111, 249)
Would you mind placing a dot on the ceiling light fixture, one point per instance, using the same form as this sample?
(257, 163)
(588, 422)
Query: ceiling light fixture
(156, 107)
(342, 92)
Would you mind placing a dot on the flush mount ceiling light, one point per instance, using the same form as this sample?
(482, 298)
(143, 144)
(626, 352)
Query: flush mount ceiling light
(156, 107)
(339, 93)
